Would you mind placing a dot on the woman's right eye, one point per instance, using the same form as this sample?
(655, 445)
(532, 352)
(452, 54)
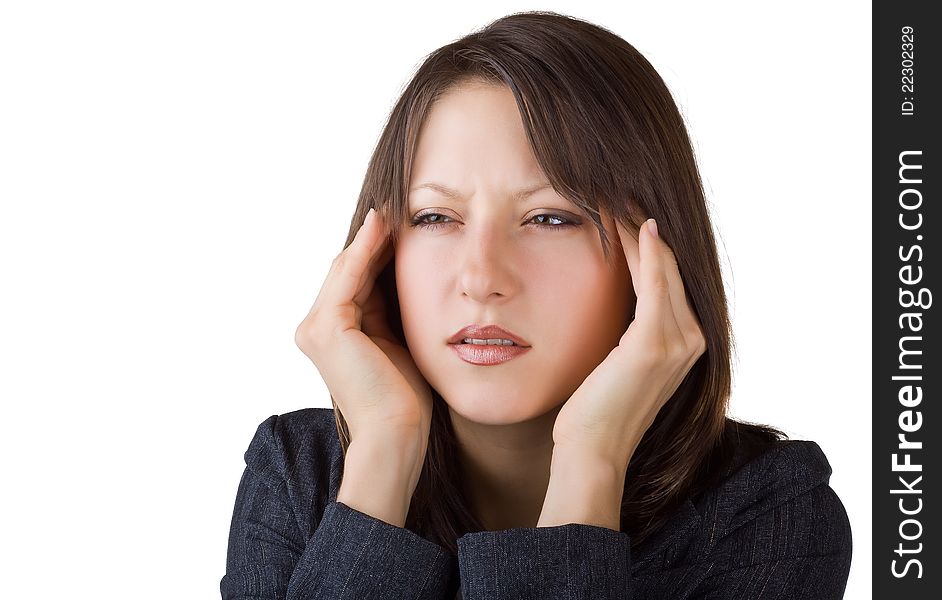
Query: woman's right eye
(423, 220)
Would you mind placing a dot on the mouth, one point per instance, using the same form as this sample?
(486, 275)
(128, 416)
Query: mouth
(487, 335)
(487, 345)
(488, 354)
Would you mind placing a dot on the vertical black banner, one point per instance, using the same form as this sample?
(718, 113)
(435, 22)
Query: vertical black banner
(907, 370)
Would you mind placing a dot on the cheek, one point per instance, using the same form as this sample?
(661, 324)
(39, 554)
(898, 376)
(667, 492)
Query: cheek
(584, 303)
(566, 292)
(419, 286)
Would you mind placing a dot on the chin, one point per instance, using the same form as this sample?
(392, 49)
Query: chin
(488, 407)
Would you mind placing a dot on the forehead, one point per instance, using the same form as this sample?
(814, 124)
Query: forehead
(474, 134)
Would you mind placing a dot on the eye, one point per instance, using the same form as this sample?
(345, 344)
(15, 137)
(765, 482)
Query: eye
(420, 220)
(551, 217)
(433, 220)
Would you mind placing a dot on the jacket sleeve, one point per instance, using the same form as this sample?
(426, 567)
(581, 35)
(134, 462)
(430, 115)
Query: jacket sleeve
(777, 532)
(349, 555)
(566, 561)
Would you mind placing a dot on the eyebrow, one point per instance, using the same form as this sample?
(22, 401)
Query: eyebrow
(519, 196)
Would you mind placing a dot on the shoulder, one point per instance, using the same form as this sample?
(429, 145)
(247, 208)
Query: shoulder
(769, 517)
(777, 505)
(281, 440)
(771, 502)
(786, 470)
(299, 452)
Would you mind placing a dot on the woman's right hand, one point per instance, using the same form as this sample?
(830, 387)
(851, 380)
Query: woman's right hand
(371, 377)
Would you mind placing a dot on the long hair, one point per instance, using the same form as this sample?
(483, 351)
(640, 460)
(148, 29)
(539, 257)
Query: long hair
(606, 132)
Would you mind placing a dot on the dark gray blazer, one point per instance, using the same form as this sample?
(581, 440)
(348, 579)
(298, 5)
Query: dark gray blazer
(773, 529)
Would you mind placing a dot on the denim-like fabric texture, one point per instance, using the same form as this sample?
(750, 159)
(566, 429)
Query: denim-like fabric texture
(773, 528)
(565, 561)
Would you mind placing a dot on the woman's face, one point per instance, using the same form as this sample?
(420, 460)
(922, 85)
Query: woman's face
(491, 258)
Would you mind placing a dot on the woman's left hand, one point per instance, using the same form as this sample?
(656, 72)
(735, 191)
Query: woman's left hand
(609, 413)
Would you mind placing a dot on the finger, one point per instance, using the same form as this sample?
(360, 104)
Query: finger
(374, 321)
(381, 256)
(680, 302)
(654, 311)
(348, 271)
(378, 251)
(629, 244)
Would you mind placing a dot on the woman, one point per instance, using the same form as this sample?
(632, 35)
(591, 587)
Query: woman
(527, 346)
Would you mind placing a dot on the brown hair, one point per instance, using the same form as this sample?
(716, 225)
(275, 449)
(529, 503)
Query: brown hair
(606, 132)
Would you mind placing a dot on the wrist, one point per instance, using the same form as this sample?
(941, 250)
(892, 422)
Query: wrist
(584, 488)
(614, 453)
(380, 476)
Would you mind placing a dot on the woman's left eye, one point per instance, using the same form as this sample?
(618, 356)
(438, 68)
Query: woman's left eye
(553, 217)
(551, 221)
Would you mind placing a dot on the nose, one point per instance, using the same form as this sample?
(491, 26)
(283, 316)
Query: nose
(487, 267)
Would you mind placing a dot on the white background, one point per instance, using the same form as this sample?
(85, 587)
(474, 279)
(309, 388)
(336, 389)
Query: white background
(176, 178)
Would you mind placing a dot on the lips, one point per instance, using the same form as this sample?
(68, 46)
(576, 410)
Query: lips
(487, 332)
(486, 355)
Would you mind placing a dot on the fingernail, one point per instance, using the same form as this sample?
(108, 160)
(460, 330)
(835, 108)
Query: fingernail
(652, 227)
